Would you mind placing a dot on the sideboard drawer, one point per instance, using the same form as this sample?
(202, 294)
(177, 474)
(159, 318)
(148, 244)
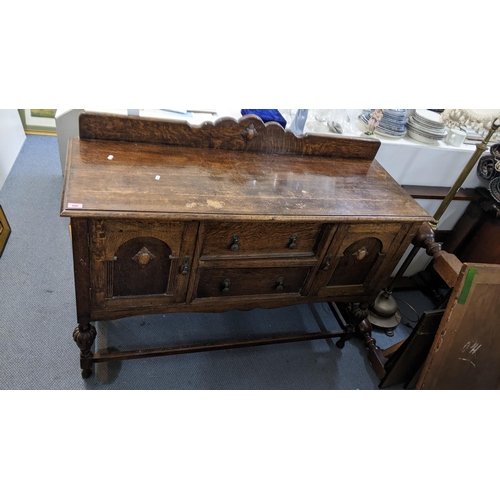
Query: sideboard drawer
(229, 239)
(230, 282)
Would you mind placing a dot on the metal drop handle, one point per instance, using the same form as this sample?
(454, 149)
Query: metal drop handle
(279, 283)
(185, 266)
(328, 262)
(234, 243)
(293, 242)
(226, 284)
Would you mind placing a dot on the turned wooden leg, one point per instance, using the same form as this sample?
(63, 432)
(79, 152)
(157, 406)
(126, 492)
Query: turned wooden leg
(84, 336)
(356, 313)
(348, 334)
(375, 356)
(359, 326)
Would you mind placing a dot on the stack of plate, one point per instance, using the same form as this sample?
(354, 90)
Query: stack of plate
(393, 123)
(426, 126)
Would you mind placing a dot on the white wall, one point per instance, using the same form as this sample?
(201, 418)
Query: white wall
(12, 138)
(66, 127)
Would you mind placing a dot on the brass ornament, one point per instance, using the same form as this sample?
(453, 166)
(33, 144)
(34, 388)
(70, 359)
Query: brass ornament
(143, 257)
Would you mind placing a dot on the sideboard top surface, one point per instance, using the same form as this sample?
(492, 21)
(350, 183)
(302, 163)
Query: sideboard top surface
(132, 177)
(149, 179)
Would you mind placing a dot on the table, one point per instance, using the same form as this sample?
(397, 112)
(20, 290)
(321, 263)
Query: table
(171, 217)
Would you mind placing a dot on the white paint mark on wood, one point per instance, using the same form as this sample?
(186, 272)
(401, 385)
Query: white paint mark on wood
(471, 347)
(465, 359)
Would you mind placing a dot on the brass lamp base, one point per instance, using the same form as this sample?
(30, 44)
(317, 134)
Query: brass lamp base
(384, 313)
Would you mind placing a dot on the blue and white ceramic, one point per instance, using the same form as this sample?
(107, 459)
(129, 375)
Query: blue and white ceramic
(392, 124)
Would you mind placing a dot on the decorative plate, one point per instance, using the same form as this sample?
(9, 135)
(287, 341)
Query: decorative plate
(486, 167)
(494, 188)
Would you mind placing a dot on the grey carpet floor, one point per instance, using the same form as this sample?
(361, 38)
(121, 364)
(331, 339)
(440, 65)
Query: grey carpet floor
(38, 315)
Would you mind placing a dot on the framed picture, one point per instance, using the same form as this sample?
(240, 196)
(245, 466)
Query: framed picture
(4, 230)
(38, 120)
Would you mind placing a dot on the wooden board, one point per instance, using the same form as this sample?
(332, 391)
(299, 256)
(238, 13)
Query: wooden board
(249, 133)
(408, 359)
(466, 351)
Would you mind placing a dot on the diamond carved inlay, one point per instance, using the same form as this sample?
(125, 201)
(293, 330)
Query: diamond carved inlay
(143, 257)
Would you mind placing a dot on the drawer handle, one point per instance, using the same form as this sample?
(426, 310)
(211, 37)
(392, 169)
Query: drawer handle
(328, 262)
(234, 243)
(279, 283)
(293, 242)
(226, 284)
(185, 266)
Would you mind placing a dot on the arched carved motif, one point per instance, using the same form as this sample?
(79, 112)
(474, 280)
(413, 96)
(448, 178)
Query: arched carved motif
(357, 262)
(141, 266)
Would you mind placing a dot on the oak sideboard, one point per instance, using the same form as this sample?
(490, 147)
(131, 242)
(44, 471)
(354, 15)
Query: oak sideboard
(238, 214)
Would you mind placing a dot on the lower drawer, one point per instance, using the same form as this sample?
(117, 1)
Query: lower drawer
(250, 281)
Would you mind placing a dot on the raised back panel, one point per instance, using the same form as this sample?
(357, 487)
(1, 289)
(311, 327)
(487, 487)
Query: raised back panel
(249, 133)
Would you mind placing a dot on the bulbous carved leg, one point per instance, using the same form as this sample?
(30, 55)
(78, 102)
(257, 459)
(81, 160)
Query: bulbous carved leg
(357, 313)
(358, 325)
(364, 331)
(375, 357)
(84, 336)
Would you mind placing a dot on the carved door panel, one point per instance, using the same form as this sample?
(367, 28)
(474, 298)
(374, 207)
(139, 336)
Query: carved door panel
(359, 257)
(140, 263)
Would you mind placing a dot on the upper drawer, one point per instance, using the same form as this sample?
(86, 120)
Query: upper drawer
(267, 238)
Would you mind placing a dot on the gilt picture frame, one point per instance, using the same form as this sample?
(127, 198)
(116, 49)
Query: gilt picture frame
(38, 120)
(4, 230)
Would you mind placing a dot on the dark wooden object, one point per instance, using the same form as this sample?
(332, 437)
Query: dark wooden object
(466, 347)
(169, 217)
(4, 230)
(439, 193)
(480, 226)
(475, 237)
(408, 359)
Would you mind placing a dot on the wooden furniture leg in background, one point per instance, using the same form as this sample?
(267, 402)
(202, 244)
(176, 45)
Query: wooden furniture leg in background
(353, 318)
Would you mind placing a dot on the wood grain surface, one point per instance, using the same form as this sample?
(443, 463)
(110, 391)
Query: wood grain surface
(249, 133)
(466, 348)
(148, 180)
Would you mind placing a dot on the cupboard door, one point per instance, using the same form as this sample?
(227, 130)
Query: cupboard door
(140, 263)
(358, 258)
(357, 262)
(141, 266)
